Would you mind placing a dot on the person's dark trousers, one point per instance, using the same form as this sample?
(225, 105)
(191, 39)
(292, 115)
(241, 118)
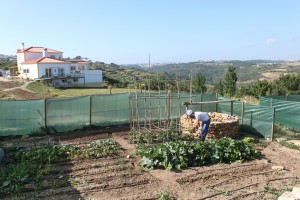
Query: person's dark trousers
(204, 130)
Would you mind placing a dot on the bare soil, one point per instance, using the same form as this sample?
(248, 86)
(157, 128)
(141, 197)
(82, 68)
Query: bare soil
(121, 177)
(16, 89)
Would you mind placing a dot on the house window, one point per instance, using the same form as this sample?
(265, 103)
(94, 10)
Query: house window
(52, 56)
(25, 71)
(82, 68)
(72, 68)
(48, 72)
(61, 71)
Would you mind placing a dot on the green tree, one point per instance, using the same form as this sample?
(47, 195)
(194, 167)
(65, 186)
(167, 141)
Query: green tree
(220, 87)
(230, 81)
(199, 83)
(243, 91)
(288, 84)
(261, 88)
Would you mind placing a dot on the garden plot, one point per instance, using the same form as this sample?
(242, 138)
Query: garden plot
(119, 176)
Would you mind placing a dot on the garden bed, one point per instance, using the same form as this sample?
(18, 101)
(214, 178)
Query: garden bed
(119, 176)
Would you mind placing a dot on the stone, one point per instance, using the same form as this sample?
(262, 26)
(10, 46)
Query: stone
(25, 136)
(278, 167)
(295, 194)
(281, 139)
(295, 142)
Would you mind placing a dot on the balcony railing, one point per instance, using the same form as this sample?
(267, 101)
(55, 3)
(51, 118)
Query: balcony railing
(61, 76)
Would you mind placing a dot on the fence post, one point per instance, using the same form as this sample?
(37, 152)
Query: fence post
(45, 112)
(130, 112)
(243, 113)
(273, 124)
(217, 102)
(91, 111)
(231, 109)
(251, 119)
(169, 109)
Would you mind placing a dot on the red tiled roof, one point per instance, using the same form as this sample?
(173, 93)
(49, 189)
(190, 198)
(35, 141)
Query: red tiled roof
(45, 60)
(39, 50)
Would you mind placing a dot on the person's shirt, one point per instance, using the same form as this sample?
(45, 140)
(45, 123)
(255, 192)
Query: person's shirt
(201, 116)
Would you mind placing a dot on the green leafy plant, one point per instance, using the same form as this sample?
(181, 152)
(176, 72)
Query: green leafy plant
(290, 145)
(171, 155)
(164, 196)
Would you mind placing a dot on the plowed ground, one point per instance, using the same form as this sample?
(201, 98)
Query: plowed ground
(120, 177)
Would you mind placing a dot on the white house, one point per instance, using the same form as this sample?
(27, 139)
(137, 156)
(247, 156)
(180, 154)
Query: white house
(39, 63)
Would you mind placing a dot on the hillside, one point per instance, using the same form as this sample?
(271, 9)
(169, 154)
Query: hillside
(247, 71)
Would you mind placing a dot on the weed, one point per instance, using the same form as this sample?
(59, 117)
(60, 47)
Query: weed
(164, 196)
(121, 162)
(290, 145)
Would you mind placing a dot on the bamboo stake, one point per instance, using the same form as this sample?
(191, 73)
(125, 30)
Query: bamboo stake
(150, 106)
(159, 106)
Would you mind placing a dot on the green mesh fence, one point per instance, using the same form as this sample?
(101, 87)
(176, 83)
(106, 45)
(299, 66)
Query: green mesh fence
(293, 98)
(21, 117)
(110, 109)
(287, 113)
(257, 119)
(28, 117)
(283, 98)
(67, 114)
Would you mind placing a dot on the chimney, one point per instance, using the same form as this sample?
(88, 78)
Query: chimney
(44, 53)
(22, 47)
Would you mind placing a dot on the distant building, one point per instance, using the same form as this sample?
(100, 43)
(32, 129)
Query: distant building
(6, 58)
(39, 63)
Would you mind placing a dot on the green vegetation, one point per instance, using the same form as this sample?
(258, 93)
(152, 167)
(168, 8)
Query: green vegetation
(290, 145)
(47, 91)
(199, 84)
(29, 164)
(7, 65)
(179, 155)
(230, 82)
(164, 196)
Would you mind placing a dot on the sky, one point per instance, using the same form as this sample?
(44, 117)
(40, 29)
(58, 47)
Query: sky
(127, 31)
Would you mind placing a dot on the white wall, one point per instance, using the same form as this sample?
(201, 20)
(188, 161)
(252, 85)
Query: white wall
(33, 71)
(43, 66)
(92, 76)
(31, 55)
(20, 58)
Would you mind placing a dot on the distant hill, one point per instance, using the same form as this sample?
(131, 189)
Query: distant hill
(247, 71)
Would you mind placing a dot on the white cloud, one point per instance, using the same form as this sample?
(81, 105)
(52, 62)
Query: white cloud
(270, 41)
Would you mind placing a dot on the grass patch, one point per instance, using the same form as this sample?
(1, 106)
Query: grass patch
(48, 91)
(290, 145)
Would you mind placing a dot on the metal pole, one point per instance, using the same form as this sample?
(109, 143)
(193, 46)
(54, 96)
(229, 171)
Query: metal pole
(90, 111)
(45, 112)
(243, 113)
(231, 109)
(273, 124)
(251, 119)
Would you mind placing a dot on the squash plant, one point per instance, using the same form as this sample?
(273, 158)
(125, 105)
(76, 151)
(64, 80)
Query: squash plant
(180, 155)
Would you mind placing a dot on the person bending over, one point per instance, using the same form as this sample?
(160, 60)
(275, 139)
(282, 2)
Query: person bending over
(205, 120)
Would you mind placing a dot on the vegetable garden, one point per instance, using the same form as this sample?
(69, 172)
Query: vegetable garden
(118, 163)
